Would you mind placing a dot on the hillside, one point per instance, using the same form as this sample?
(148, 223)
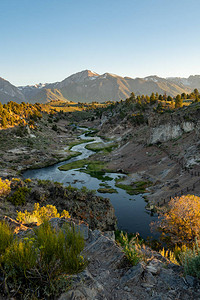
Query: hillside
(190, 82)
(47, 95)
(9, 92)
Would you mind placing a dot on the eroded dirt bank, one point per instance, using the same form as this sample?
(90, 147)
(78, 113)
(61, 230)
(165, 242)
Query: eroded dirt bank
(164, 150)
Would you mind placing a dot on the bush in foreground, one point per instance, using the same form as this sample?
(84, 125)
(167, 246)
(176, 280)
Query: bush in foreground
(180, 221)
(190, 259)
(39, 265)
(6, 236)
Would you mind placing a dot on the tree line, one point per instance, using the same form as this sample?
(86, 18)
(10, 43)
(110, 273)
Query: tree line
(13, 113)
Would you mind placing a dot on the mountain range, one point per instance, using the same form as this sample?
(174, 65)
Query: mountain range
(88, 86)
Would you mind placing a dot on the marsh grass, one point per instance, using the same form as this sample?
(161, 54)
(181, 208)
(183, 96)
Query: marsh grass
(73, 154)
(101, 147)
(136, 188)
(95, 169)
(79, 143)
(108, 190)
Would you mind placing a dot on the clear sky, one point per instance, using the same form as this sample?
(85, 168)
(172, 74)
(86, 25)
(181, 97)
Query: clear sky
(48, 40)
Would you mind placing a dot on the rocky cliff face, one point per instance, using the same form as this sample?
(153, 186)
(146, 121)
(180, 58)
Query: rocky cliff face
(82, 205)
(169, 126)
(164, 133)
(179, 134)
(110, 276)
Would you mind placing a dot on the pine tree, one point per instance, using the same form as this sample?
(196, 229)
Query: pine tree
(178, 101)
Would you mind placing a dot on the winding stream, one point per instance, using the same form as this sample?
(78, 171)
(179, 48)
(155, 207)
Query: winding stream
(129, 209)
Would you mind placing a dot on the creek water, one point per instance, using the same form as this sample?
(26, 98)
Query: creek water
(129, 209)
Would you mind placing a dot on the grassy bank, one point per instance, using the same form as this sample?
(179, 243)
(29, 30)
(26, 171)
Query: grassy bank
(108, 190)
(79, 142)
(95, 169)
(138, 187)
(73, 154)
(97, 147)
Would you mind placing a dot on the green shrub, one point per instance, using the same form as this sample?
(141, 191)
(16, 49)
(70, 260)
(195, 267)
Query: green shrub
(131, 248)
(64, 246)
(27, 180)
(20, 257)
(41, 262)
(190, 259)
(43, 182)
(19, 196)
(6, 236)
(71, 188)
(137, 119)
(55, 127)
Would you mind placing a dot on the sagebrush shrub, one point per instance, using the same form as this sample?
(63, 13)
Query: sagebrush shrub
(19, 196)
(39, 214)
(190, 259)
(131, 248)
(6, 236)
(4, 187)
(42, 261)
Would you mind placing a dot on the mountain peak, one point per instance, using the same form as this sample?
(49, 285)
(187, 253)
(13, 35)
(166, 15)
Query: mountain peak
(89, 73)
(78, 77)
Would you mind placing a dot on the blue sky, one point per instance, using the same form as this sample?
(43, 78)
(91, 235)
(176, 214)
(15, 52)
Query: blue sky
(48, 40)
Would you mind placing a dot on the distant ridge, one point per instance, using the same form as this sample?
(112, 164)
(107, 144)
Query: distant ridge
(88, 86)
(9, 92)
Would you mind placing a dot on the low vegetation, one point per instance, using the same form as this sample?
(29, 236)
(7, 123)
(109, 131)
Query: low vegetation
(138, 187)
(180, 220)
(12, 114)
(95, 169)
(38, 264)
(79, 143)
(101, 147)
(74, 165)
(73, 154)
(108, 190)
(4, 187)
(131, 246)
(41, 214)
(19, 196)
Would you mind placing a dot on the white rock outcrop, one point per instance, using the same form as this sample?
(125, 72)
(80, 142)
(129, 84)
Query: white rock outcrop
(166, 132)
